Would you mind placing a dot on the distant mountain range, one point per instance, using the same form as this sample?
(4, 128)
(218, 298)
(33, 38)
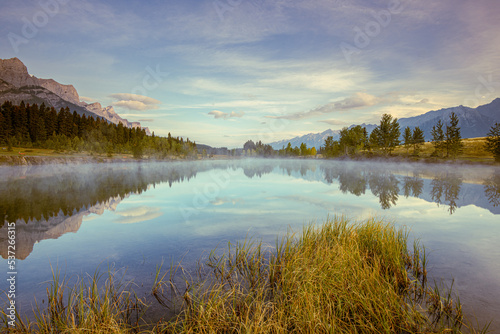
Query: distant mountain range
(17, 85)
(311, 139)
(473, 122)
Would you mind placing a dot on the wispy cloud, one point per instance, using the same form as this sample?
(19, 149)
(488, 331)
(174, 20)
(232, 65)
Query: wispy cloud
(224, 115)
(87, 99)
(134, 101)
(358, 100)
(138, 214)
(333, 122)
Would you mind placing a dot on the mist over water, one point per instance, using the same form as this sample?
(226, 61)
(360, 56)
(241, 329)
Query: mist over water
(136, 215)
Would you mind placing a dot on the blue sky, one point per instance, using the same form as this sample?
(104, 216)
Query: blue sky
(224, 71)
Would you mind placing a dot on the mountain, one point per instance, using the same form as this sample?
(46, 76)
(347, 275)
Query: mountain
(473, 122)
(311, 139)
(17, 85)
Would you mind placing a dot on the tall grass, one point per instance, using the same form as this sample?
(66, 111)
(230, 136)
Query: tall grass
(101, 303)
(337, 277)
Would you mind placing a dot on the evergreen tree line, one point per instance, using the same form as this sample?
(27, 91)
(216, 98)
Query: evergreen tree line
(259, 149)
(446, 139)
(36, 126)
(296, 151)
(384, 138)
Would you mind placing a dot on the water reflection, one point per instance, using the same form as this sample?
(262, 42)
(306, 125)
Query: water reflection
(384, 185)
(49, 202)
(412, 186)
(492, 189)
(446, 189)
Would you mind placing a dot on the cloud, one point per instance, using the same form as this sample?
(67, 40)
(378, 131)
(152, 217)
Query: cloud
(146, 120)
(138, 214)
(134, 105)
(220, 114)
(333, 122)
(358, 100)
(134, 101)
(220, 201)
(87, 99)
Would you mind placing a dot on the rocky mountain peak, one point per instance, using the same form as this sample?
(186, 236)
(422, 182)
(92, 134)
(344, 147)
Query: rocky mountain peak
(95, 107)
(66, 92)
(13, 71)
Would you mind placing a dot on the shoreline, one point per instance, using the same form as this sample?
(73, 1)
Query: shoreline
(36, 160)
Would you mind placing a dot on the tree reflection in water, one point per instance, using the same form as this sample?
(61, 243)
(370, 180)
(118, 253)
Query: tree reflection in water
(492, 189)
(446, 189)
(413, 186)
(384, 185)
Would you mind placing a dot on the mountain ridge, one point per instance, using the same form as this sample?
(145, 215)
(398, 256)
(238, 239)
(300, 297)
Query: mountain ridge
(17, 85)
(473, 122)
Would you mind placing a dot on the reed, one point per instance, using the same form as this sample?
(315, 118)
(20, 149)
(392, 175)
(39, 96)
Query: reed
(101, 303)
(335, 277)
(338, 277)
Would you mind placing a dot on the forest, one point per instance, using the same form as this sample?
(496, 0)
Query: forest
(26, 125)
(33, 126)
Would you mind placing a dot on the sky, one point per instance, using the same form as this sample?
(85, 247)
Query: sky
(221, 72)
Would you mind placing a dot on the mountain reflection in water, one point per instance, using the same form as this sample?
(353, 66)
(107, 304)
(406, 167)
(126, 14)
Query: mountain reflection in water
(47, 202)
(135, 216)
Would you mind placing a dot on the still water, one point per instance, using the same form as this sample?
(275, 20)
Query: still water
(76, 218)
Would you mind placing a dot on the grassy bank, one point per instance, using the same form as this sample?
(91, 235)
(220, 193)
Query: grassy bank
(337, 277)
(474, 151)
(40, 156)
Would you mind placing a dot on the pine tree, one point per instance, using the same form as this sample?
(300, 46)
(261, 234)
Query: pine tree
(388, 133)
(303, 149)
(75, 123)
(418, 140)
(438, 138)
(408, 138)
(493, 141)
(20, 123)
(50, 121)
(454, 145)
(374, 139)
(6, 111)
(3, 136)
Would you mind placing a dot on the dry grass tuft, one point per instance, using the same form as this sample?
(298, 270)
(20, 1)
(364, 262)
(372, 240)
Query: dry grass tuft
(338, 277)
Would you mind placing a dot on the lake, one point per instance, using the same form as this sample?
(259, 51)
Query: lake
(132, 217)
